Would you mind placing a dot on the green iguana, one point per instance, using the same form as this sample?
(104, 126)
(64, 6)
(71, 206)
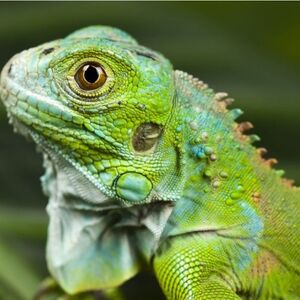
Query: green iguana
(146, 167)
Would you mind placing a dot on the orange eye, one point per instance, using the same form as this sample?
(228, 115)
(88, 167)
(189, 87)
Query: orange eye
(90, 76)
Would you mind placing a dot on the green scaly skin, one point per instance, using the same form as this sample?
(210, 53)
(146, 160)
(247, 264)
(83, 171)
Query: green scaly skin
(151, 170)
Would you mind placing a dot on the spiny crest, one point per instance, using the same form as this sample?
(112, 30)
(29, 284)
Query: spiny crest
(243, 127)
(191, 79)
(223, 101)
(270, 162)
(289, 182)
(220, 98)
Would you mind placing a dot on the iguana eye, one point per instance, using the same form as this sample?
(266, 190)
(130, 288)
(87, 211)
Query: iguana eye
(90, 76)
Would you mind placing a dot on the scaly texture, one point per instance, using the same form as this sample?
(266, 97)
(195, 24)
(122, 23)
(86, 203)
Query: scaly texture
(145, 166)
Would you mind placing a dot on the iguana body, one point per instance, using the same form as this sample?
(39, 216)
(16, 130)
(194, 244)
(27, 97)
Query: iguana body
(145, 167)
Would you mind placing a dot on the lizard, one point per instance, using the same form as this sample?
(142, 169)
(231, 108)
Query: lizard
(147, 167)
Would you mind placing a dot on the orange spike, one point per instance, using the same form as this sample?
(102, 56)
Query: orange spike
(261, 151)
(288, 182)
(220, 96)
(244, 126)
(271, 162)
(228, 101)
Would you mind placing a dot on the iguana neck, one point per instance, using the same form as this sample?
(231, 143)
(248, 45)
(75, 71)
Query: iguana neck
(217, 158)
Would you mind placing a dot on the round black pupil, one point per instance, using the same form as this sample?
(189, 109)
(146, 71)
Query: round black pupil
(91, 74)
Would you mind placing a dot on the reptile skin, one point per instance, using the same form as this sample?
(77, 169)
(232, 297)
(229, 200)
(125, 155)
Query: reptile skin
(147, 168)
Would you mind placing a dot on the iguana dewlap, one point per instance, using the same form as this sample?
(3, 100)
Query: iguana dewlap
(146, 167)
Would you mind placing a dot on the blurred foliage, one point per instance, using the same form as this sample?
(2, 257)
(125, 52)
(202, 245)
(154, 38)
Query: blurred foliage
(251, 50)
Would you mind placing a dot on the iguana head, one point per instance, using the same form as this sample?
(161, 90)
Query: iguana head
(103, 102)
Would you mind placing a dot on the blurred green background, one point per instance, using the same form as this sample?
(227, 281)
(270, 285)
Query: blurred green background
(250, 50)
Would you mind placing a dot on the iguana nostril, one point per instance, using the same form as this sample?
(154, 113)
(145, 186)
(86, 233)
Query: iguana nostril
(48, 51)
(9, 69)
